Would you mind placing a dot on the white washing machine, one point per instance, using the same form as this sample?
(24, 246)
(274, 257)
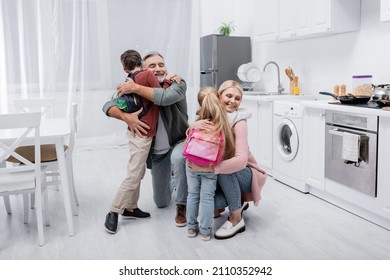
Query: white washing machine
(287, 148)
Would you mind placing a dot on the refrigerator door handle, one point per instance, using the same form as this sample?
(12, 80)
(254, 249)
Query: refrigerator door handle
(209, 71)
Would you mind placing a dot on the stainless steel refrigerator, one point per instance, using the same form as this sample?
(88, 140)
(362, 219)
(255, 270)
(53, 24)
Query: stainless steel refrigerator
(220, 57)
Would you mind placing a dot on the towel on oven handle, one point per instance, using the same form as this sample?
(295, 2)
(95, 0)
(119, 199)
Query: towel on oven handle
(351, 147)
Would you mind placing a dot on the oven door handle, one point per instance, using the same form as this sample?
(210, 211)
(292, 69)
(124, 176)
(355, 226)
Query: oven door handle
(335, 131)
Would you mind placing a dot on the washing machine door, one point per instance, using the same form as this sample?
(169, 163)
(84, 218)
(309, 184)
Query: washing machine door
(287, 140)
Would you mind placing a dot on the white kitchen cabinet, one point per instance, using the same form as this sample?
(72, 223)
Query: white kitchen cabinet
(383, 178)
(322, 16)
(260, 131)
(294, 18)
(265, 20)
(335, 16)
(265, 132)
(385, 10)
(314, 151)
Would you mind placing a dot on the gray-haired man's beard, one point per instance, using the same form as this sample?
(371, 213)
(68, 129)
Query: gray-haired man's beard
(161, 78)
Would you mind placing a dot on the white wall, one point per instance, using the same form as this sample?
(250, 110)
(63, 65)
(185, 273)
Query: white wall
(319, 62)
(214, 13)
(322, 62)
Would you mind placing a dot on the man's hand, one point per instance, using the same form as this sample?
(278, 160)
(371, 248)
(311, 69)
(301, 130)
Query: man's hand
(126, 87)
(173, 78)
(136, 126)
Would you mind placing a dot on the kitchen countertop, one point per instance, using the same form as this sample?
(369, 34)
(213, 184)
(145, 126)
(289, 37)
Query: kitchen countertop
(262, 96)
(307, 101)
(324, 104)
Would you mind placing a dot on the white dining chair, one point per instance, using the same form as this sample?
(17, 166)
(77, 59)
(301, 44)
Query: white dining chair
(52, 168)
(25, 177)
(50, 162)
(45, 106)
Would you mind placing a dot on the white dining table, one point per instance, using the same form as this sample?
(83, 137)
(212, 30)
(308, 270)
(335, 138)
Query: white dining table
(54, 131)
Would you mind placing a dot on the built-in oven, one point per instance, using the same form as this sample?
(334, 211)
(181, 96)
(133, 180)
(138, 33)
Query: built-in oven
(351, 150)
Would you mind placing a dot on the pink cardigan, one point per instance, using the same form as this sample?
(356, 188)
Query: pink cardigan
(241, 159)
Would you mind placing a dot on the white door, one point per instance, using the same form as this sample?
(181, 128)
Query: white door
(287, 140)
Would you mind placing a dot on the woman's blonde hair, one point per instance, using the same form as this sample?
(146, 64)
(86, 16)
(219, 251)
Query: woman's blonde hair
(212, 110)
(230, 84)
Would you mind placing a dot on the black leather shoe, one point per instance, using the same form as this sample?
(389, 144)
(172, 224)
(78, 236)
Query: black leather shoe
(111, 223)
(136, 214)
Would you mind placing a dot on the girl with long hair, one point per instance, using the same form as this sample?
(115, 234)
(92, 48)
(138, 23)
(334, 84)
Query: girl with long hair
(201, 179)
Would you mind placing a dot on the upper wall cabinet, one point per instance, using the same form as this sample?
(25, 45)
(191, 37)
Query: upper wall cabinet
(335, 16)
(305, 18)
(385, 10)
(265, 20)
(294, 18)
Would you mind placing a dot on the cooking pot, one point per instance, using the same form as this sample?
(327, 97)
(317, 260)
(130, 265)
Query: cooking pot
(381, 94)
(349, 98)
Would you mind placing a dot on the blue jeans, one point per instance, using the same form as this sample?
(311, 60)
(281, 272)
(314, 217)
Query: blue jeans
(200, 200)
(179, 177)
(230, 187)
(169, 173)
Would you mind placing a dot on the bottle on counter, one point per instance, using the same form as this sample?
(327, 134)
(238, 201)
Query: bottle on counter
(343, 90)
(336, 90)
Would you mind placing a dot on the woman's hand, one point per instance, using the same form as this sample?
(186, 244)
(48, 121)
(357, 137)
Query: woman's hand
(202, 124)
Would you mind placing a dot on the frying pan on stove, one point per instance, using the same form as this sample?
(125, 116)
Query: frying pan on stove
(349, 99)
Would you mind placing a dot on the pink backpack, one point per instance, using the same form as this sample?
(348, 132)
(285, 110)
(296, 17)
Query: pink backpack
(203, 148)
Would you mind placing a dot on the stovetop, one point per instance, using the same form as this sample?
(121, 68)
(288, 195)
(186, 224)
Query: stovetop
(370, 104)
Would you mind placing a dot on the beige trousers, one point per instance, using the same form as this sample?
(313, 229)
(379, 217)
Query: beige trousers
(128, 193)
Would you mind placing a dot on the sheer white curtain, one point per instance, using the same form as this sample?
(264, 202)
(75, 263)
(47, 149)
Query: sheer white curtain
(50, 47)
(70, 49)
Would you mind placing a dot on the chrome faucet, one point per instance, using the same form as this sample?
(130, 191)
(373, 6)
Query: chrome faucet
(280, 87)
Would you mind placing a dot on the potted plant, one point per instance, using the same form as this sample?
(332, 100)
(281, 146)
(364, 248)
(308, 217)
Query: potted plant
(226, 28)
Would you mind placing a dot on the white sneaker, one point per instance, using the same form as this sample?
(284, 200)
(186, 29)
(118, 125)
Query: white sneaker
(227, 230)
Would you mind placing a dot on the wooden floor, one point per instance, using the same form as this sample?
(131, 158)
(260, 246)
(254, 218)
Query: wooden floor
(286, 225)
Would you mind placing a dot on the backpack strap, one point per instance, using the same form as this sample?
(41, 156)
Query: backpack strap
(132, 75)
(147, 107)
